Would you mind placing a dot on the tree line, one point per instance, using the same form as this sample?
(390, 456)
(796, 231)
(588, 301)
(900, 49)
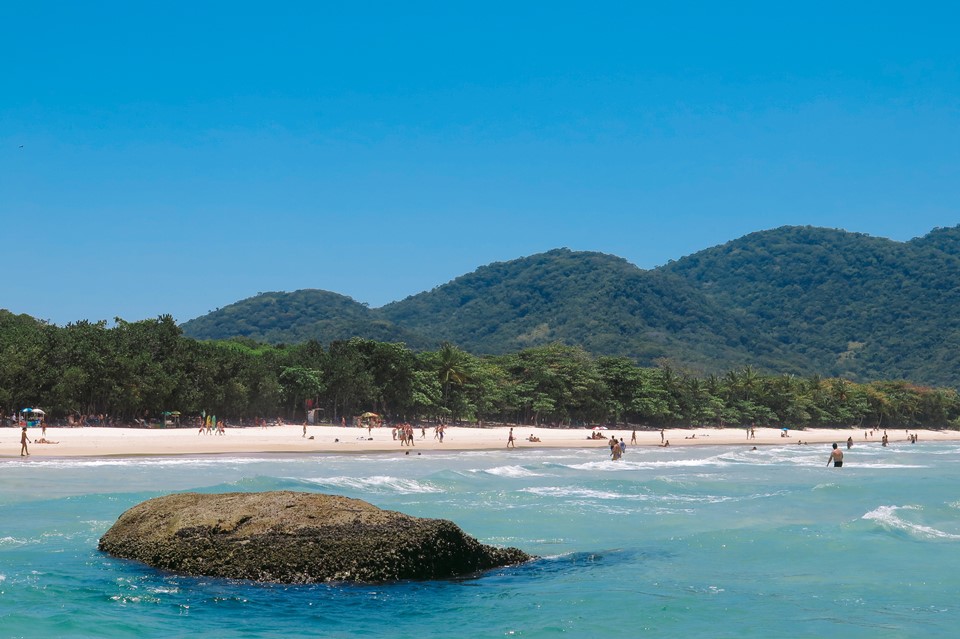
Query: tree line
(137, 370)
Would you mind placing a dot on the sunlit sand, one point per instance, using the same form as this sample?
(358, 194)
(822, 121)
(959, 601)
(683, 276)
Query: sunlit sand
(289, 438)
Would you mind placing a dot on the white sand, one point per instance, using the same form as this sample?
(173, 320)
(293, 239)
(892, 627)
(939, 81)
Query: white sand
(91, 442)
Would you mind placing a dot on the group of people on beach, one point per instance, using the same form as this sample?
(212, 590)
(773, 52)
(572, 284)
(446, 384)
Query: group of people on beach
(404, 433)
(211, 425)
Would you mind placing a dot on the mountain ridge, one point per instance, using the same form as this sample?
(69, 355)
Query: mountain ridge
(795, 299)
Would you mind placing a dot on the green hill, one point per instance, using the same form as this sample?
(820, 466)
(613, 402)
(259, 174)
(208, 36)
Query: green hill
(291, 318)
(842, 303)
(600, 302)
(797, 300)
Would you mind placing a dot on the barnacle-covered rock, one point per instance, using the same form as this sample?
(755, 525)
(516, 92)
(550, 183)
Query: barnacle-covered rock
(294, 537)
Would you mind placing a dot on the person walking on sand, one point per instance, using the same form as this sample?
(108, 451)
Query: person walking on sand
(836, 456)
(510, 441)
(23, 442)
(633, 438)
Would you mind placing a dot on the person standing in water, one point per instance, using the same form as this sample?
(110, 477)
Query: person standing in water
(836, 456)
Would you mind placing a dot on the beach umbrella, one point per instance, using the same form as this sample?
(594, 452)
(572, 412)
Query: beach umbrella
(368, 415)
(599, 428)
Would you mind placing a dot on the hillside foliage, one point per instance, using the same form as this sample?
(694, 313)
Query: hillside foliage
(797, 300)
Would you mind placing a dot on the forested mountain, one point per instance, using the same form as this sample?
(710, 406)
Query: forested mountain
(843, 304)
(798, 300)
(291, 318)
(600, 302)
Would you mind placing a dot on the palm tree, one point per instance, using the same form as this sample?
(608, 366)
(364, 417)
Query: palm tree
(452, 365)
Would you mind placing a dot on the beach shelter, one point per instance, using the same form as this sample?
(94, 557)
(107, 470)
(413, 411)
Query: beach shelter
(367, 418)
(31, 416)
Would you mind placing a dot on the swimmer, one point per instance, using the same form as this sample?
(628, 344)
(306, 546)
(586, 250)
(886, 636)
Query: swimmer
(836, 456)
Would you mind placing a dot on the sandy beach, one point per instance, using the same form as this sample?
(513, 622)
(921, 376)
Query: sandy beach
(94, 442)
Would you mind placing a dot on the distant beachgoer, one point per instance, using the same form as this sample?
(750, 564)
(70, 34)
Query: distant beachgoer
(883, 440)
(633, 438)
(836, 456)
(849, 443)
(23, 442)
(442, 430)
(623, 446)
(510, 440)
(43, 429)
(753, 432)
(304, 429)
(661, 436)
(665, 444)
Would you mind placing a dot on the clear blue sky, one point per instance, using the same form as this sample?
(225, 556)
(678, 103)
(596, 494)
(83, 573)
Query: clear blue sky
(175, 157)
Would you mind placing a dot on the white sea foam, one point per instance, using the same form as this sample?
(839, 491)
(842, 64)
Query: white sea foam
(153, 462)
(511, 471)
(582, 495)
(608, 465)
(887, 517)
(570, 492)
(7, 542)
(893, 466)
(378, 483)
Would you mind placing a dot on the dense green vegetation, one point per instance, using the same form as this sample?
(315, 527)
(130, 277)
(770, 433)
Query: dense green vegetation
(843, 304)
(798, 300)
(138, 370)
(291, 318)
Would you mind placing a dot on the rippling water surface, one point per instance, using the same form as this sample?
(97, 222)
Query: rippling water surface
(686, 542)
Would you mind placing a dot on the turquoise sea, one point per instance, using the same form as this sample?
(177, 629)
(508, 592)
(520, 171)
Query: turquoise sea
(704, 541)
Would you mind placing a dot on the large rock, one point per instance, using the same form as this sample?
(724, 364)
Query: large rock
(295, 537)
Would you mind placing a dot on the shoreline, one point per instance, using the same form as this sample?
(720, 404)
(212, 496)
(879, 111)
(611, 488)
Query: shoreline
(97, 442)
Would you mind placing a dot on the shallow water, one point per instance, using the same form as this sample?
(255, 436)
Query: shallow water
(694, 541)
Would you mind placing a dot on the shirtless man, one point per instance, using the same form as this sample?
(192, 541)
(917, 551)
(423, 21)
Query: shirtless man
(836, 456)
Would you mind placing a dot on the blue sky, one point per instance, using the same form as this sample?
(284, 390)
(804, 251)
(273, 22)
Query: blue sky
(177, 157)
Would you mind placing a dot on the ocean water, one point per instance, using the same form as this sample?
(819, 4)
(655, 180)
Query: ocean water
(703, 541)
